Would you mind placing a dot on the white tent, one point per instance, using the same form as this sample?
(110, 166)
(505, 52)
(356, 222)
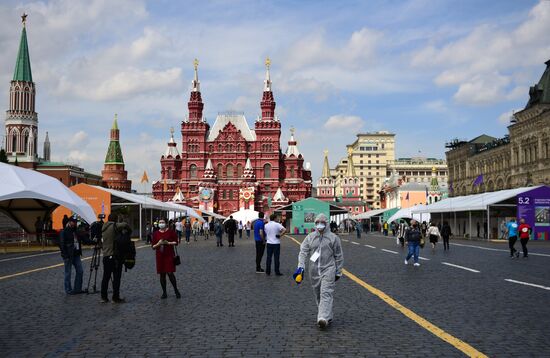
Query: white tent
(245, 215)
(26, 194)
(214, 215)
(409, 213)
(149, 203)
(473, 202)
(369, 214)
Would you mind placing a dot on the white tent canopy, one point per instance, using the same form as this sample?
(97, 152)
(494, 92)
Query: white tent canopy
(214, 215)
(472, 202)
(26, 194)
(369, 214)
(409, 213)
(245, 215)
(150, 203)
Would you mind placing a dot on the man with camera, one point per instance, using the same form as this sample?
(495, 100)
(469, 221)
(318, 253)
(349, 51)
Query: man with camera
(70, 245)
(112, 265)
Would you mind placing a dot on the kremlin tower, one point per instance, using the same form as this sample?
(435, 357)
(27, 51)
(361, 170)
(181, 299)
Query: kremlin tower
(21, 119)
(113, 173)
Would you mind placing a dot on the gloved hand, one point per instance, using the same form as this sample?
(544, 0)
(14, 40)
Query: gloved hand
(298, 275)
(336, 278)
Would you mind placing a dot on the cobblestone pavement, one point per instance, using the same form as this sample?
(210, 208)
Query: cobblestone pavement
(228, 310)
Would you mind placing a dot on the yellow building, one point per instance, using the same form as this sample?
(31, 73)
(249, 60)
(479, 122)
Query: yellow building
(371, 153)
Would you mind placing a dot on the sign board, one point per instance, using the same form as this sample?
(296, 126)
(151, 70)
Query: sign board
(304, 213)
(534, 207)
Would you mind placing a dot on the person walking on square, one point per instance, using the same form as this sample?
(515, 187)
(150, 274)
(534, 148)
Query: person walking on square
(413, 235)
(164, 241)
(218, 231)
(231, 229)
(196, 229)
(433, 234)
(70, 246)
(358, 229)
(112, 265)
(187, 227)
(248, 228)
(259, 240)
(240, 227)
(525, 231)
(179, 229)
(401, 232)
(206, 229)
(446, 234)
(273, 232)
(326, 260)
(385, 228)
(512, 233)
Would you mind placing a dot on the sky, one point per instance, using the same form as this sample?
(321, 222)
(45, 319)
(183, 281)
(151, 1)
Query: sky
(428, 71)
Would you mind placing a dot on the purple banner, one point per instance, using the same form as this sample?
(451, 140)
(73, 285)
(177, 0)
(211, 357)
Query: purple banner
(534, 207)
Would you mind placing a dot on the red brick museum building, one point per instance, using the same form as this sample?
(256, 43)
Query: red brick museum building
(230, 166)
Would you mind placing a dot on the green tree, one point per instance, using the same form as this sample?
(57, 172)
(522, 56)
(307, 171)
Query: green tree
(3, 156)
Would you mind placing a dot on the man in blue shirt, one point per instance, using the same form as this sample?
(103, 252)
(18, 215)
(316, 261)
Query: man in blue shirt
(259, 239)
(512, 232)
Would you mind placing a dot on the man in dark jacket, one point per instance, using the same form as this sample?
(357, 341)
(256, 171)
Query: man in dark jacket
(71, 249)
(231, 229)
(112, 265)
(413, 235)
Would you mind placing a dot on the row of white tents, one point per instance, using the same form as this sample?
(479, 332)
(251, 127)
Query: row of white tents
(26, 194)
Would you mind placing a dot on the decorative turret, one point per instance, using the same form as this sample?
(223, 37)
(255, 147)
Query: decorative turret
(47, 148)
(172, 150)
(114, 152)
(113, 173)
(325, 184)
(248, 173)
(350, 181)
(209, 172)
(268, 103)
(292, 145)
(195, 104)
(21, 119)
(279, 198)
(540, 93)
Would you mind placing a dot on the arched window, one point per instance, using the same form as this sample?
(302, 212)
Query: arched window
(193, 171)
(25, 141)
(230, 147)
(210, 148)
(219, 147)
(169, 173)
(238, 147)
(267, 171)
(13, 141)
(239, 170)
(220, 171)
(292, 172)
(229, 170)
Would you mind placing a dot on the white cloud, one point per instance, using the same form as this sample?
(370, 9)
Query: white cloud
(505, 117)
(79, 140)
(484, 63)
(342, 122)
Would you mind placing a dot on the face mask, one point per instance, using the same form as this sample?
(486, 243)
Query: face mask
(162, 225)
(320, 226)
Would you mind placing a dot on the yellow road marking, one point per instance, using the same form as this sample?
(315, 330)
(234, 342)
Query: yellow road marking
(49, 267)
(422, 322)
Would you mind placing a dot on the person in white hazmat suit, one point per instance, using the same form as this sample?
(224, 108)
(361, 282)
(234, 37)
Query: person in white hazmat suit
(326, 260)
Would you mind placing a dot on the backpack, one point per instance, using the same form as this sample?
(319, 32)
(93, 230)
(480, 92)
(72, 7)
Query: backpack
(125, 249)
(218, 230)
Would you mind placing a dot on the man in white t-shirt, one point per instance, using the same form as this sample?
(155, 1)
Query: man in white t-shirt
(273, 232)
(179, 228)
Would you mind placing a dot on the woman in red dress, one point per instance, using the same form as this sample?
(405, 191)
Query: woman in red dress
(163, 242)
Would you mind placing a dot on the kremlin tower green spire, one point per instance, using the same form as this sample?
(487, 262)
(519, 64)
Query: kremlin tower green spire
(114, 152)
(23, 64)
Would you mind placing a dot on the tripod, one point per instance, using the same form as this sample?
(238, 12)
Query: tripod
(94, 266)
